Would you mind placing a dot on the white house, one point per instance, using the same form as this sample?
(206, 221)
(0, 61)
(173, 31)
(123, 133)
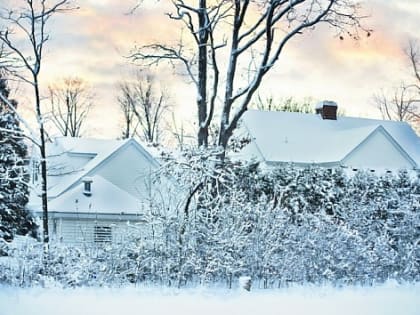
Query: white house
(327, 140)
(95, 188)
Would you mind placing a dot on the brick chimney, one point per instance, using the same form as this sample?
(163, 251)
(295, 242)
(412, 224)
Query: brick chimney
(327, 109)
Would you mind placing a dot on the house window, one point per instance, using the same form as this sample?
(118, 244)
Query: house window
(87, 187)
(102, 234)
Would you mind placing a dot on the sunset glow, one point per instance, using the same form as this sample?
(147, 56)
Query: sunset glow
(94, 41)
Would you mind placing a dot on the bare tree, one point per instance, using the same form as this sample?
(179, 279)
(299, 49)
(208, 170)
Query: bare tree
(4, 59)
(24, 35)
(143, 105)
(70, 102)
(254, 33)
(178, 132)
(181, 132)
(413, 53)
(403, 102)
(288, 104)
(126, 101)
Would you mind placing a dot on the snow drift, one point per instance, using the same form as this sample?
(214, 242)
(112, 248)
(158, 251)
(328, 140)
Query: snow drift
(390, 298)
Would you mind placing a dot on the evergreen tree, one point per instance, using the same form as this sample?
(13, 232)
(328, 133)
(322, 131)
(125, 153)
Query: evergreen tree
(14, 176)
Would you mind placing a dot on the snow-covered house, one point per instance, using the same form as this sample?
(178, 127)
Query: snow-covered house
(95, 187)
(326, 140)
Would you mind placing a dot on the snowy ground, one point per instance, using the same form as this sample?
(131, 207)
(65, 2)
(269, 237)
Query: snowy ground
(386, 299)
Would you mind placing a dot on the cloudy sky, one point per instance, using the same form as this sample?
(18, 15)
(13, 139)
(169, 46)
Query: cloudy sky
(91, 43)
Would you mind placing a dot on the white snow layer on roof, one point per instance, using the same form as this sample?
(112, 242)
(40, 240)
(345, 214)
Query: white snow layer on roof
(307, 138)
(72, 158)
(105, 198)
(85, 145)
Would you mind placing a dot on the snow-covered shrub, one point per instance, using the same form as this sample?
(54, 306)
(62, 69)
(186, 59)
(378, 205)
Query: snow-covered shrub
(280, 226)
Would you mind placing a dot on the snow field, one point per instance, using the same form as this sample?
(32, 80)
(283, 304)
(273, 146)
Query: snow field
(312, 300)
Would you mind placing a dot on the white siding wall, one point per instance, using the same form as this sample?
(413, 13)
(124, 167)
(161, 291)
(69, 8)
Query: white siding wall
(377, 152)
(81, 232)
(129, 170)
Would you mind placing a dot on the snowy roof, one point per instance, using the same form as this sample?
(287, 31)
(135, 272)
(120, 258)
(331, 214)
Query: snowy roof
(307, 138)
(89, 146)
(71, 159)
(105, 198)
(84, 145)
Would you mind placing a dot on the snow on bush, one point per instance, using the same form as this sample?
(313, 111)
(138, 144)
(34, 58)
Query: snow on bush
(281, 227)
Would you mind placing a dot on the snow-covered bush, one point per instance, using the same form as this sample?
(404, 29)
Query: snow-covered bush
(279, 226)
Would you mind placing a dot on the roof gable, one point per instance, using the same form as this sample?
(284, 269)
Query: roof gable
(99, 152)
(130, 168)
(379, 150)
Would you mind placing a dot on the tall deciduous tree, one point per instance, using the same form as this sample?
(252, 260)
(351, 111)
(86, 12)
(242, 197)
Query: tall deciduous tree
(143, 104)
(24, 35)
(252, 35)
(70, 101)
(14, 176)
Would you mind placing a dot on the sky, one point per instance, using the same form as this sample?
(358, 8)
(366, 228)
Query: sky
(93, 42)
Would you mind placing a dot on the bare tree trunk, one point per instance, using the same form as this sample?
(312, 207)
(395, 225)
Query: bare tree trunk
(42, 147)
(203, 36)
